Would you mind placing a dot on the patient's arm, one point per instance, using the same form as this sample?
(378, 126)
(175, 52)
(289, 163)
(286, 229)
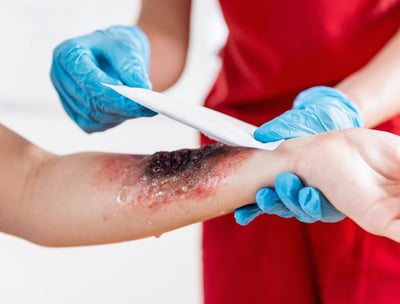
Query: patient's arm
(92, 198)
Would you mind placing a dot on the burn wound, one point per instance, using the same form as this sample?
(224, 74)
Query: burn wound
(151, 181)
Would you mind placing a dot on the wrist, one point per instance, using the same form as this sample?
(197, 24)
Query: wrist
(288, 157)
(359, 98)
(268, 164)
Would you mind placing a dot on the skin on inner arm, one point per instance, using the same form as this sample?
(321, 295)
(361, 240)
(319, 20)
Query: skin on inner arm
(169, 189)
(98, 198)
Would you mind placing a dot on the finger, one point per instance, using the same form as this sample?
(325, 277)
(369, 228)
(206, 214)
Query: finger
(130, 57)
(85, 124)
(320, 95)
(317, 95)
(88, 119)
(246, 214)
(291, 124)
(287, 187)
(269, 202)
(63, 89)
(314, 203)
(85, 82)
(131, 70)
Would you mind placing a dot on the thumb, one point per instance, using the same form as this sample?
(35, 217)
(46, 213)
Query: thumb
(130, 57)
(314, 203)
(132, 71)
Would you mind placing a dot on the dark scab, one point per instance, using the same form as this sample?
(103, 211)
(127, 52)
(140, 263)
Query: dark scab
(166, 164)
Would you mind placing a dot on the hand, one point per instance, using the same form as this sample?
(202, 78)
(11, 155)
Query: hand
(316, 110)
(290, 199)
(357, 170)
(117, 55)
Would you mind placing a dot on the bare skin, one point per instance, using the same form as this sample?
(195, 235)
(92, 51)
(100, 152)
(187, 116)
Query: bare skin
(167, 25)
(98, 198)
(374, 88)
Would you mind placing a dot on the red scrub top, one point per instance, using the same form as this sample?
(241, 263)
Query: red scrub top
(274, 50)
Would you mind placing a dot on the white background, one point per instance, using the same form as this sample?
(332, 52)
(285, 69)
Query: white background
(163, 270)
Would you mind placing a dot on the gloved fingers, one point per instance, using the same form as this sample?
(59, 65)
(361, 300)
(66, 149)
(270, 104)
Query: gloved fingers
(141, 43)
(128, 58)
(269, 202)
(332, 100)
(314, 203)
(85, 80)
(318, 94)
(85, 124)
(106, 100)
(300, 122)
(315, 110)
(78, 104)
(291, 124)
(131, 70)
(246, 214)
(287, 187)
(73, 65)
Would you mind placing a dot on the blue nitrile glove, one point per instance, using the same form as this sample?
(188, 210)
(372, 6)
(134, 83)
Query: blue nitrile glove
(315, 110)
(290, 199)
(116, 55)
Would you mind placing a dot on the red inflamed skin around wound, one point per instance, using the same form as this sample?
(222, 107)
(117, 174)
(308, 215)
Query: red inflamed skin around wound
(145, 184)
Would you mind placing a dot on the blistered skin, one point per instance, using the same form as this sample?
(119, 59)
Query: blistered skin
(186, 174)
(167, 164)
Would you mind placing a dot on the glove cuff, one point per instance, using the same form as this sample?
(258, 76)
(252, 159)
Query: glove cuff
(318, 94)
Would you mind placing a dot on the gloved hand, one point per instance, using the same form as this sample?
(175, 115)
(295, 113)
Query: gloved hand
(116, 55)
(316, 110)
(290, 199)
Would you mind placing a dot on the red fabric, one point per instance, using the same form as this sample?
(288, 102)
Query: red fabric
(276, 49)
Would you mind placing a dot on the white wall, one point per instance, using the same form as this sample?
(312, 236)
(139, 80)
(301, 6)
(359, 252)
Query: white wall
(163, 270)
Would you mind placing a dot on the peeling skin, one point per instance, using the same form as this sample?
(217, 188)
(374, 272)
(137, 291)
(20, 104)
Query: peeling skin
(164, 177)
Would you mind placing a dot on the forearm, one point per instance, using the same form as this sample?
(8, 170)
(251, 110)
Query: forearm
(376, 87)
(98, 198)
(95, 198)
(167, 25)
